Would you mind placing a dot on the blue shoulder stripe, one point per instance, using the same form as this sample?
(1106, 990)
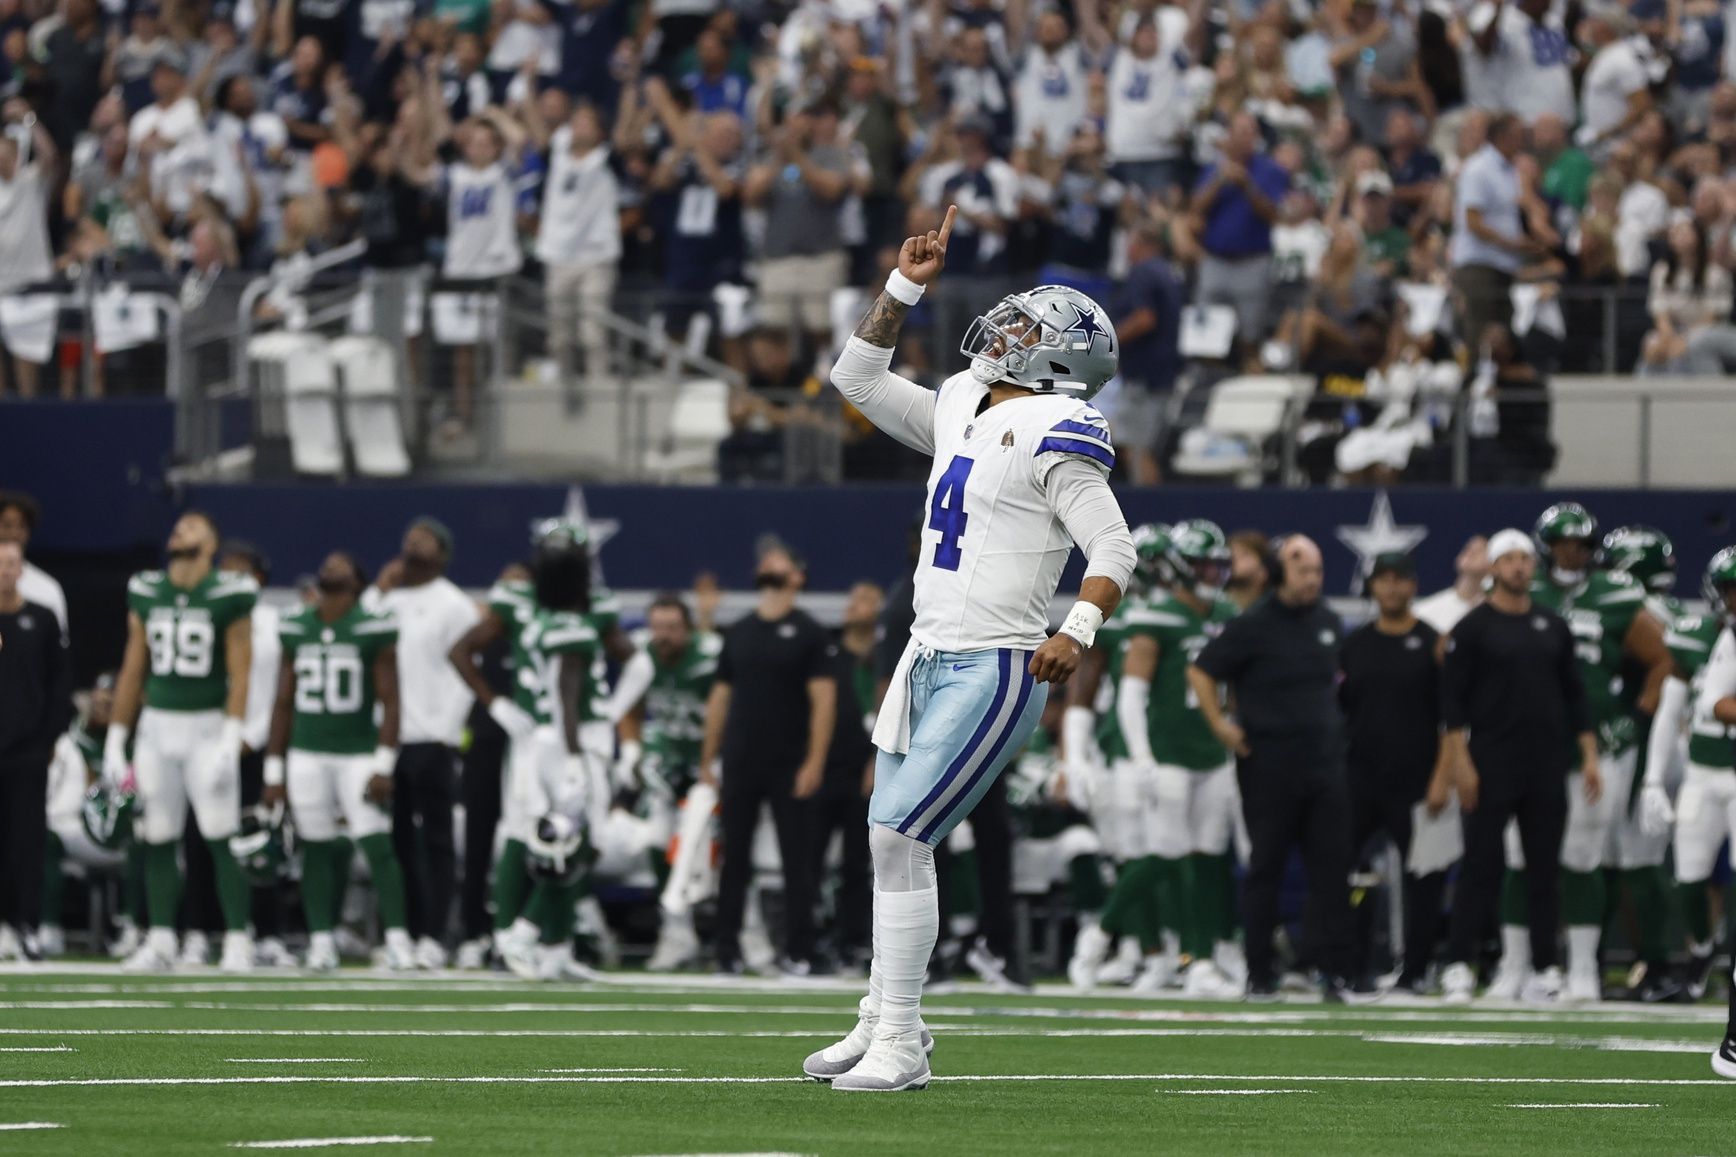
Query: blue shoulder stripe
(1103, 455)
(1069, 426)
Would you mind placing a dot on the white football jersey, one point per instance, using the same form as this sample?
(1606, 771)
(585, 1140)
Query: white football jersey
(993, 549)
(481, 222)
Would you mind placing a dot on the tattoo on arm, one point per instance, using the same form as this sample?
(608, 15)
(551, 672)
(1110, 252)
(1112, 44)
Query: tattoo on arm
(881, 323)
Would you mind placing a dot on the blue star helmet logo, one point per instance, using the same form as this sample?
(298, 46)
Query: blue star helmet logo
(1085, 325)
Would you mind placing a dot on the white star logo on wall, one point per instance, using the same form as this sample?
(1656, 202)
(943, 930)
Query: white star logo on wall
(1380, 536)
(598, 531)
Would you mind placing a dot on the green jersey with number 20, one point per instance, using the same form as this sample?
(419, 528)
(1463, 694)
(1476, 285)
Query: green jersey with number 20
(184, 633)
(334, 679)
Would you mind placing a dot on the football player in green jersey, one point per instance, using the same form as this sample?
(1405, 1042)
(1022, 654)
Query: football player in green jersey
(184, 682)
(1054, 842)
(73, 772)
(1686, 733)
(1607, 614)
(331, 758)
(551, 782)
(660, 702)
(1099, 778)
(1190, 804)
(1647, 556)
(1717, 794)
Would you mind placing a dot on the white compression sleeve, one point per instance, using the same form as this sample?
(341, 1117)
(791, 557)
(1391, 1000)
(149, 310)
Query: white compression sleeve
(896, 405)
(1079, 495)
(1132, 697)
(1663, 746)
(1077, 725)
(635, 680)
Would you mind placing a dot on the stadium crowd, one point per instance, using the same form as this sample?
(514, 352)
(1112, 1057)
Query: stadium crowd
(537, 782)
(1410, 201)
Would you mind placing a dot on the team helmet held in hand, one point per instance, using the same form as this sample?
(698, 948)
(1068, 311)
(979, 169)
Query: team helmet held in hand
(262, 846)
(107, 814)
(1051, 339)
(1643, 553)
(556, 852)
(1149, 543)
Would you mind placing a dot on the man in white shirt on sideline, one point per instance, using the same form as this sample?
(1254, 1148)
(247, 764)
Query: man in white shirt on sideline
(1443, 609)
(578, 238)
(432, 615)
(19, 515)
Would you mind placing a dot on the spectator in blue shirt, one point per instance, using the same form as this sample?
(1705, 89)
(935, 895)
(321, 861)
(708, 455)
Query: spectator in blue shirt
(298, 95)
(714, 87)
(1238, 198)
(1412, 167)
(1699, 47)
(590, 31)
(1147, 313)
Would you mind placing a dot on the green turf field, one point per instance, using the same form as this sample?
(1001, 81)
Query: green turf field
(203, 1063)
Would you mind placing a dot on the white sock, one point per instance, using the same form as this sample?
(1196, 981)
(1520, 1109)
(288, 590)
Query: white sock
(398, 940)
(319, 940)
(909, 925)
(162, 940)
(1582, 941)
(1516, 946)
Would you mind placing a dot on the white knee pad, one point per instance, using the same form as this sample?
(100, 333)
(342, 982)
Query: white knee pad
(1586, 841)
(1170, 793)
(901, 864)
(1704, 814)
(1214, 810)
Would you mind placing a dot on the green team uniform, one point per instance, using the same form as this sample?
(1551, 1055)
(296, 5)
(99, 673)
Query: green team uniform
(552, 635)
(1599, 613)
(1113, 637)
(515, 604)
(675, 711)
(1690, 639)
(1179, 735)
(335, 694)
(604, 616)
(184, 633)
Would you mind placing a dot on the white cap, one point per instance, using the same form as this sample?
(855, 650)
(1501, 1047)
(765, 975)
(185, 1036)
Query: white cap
(1507, 541)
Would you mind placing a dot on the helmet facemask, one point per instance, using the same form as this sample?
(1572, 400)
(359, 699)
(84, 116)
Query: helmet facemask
(997, 341)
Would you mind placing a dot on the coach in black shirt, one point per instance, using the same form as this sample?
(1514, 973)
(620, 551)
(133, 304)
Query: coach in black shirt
(1280, 659)
(1514, 709)
(35, 707)
(1391, 693)
(769, 720)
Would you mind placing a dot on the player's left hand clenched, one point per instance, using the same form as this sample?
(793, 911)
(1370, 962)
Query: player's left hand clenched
(1056, 660)
(921, 258)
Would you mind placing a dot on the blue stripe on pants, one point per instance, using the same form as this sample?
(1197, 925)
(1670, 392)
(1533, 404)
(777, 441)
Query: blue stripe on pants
(970, 746)
(987, 762)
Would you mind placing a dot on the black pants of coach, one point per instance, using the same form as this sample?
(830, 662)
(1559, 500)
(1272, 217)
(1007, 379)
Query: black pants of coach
(1537, 799)
(200, 911)
(1296, 803)
(481, 792)
(1377, 809)
(740, 803)
(23, 839)
(991, 826)
(844, 811)
(424, 791)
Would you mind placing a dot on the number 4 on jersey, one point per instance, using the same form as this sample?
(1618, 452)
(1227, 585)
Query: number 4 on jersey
(947, 512)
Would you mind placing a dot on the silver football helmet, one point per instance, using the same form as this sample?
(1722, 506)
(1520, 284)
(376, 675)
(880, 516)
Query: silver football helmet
(1051, 339)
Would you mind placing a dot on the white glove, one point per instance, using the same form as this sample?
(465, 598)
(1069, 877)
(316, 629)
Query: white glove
(624, 773)
(385, 761)
(115, 767)
(513, 719)
(1656, 814)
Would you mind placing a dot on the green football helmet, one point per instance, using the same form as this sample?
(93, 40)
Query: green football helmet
(559, 533)
(262, 847)
(108, 814)
(1560, 523)
(558, 852)
(1196, 556)
(1644, 554)
(1719, 581)
(1149, 543)
(1051, 339)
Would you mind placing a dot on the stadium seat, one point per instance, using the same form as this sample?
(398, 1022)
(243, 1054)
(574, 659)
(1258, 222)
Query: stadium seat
(698, 421)
(298, 367)
(368, 374)
(1242, 413)
(1207, 331)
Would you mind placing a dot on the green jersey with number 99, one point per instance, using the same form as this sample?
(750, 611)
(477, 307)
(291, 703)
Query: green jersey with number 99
(184, 634)
(1599, 612)
(334, 679)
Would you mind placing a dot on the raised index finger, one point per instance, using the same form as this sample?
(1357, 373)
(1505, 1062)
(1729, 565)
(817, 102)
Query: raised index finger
(946, 225)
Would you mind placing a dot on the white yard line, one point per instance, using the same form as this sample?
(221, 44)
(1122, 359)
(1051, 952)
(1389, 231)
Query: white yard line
(616, 1070)
(1231, 1092)
(38, 1049)
(625, 1079)
(294, 1060)
(1592, 1105)
(21, 1126)
(329, 1142)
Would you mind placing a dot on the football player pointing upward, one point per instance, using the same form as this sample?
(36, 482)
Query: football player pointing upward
(1020, 475)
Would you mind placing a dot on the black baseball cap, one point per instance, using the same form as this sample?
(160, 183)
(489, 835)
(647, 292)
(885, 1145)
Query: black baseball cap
(1396, 562)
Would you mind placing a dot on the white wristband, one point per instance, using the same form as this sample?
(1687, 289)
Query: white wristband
(902, 288)
(1082, 623)
(274, 771)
